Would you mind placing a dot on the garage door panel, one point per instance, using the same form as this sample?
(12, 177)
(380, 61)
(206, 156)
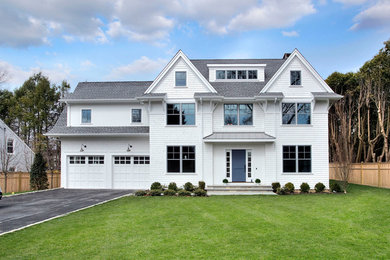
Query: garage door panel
(82, 173)
(127, 175)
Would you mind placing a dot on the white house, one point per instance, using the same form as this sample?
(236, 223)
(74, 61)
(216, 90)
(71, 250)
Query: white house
(15, 155)
(239, 119)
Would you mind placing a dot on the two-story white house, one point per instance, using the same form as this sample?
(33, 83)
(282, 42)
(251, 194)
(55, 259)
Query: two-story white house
(207, 119)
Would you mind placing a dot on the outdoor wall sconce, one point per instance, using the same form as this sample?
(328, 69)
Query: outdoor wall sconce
(83, 146)
(129, 146)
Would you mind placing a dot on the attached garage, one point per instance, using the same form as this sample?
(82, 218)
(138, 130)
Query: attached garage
(130, 172)
(86, 172)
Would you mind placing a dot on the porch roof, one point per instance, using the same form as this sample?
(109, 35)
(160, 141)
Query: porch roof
(239, 137)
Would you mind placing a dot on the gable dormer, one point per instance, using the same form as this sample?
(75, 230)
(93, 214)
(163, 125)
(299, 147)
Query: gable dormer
(236, 72)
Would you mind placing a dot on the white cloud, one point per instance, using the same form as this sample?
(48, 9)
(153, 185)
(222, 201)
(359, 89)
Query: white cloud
(140, 66)
(351, 2)
(86, 64)
(375, 16)
(290, 33)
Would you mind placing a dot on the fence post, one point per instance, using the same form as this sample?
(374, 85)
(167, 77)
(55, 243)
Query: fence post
(379, 174)
(361, 173)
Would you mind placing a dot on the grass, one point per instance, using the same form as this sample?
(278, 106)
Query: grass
(319, 226)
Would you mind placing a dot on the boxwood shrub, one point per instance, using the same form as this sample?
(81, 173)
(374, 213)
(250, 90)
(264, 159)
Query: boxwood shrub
(335, 187)
(200, 192)
(156, 192)
(289, 187)
(305, 187)
(140, 193)
(184, 193)
(275, 186)
(320, 187)
(202, 185)
(169, 192)
(156, 186)
(172, 186)
(188, 186)
(281, 191)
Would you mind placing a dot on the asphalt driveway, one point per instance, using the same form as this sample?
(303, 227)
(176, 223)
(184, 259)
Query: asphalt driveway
(26, 209)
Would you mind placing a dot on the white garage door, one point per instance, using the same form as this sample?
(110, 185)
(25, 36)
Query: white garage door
(86, 172)
(131, 172)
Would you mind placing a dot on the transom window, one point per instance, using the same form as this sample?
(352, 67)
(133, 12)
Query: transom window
(95, 159)
(181, 78)
(86, 116)
(181, 114)
(10, 145)
(236, 74)
(294, 163)
(76, 159)
(141, 160)
(136, 115)
(181, 159)
(238, 114)
(296, 113)
(295, 78)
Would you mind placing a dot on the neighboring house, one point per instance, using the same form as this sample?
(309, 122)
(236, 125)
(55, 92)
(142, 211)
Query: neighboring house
(15, 155)
(207, 119)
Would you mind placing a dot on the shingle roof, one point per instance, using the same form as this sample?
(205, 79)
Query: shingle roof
(326, 95)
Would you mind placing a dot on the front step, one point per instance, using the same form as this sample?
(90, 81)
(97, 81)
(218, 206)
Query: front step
(239, 190)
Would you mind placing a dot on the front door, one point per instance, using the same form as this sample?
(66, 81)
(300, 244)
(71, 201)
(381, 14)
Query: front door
(238, 165)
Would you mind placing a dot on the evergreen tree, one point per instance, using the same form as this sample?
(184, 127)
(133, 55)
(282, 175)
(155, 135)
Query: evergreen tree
(38, 176)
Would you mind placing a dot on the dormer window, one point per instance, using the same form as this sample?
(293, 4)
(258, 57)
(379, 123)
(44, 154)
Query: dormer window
(181, 78)
(221, 74)
(295, 78)
(235, 74)
(231, 74)
(86, 116)
(241, 74)
(252, 74)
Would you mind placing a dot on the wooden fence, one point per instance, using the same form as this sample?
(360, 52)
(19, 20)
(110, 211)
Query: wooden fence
(20, 181)
(371, 174)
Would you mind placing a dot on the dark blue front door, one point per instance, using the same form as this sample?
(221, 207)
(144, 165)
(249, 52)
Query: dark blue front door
(238, 165)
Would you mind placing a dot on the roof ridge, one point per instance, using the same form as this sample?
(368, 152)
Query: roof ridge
(125, 81)
(237, 59)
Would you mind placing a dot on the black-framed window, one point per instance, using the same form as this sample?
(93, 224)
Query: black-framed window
(141, 160)
(241, 74)
(86, 116)
(220, 74)
(181, 159)
(252, 74)
(76, 159)
(136, 115)
(10, 145)
(296, 158)
(227, 164)
(296, 113)
(95, 159)
(231, 74)
(238, 114)
(181, 114)
(122, 159)
(181, 78)
(236, 74)
(295, 78)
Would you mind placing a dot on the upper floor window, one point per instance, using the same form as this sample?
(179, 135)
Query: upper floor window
(181, 114)
(86, 116)
(238, 114)
(294, 163)
(221, 74)
(10, 145)
(295, 78)
(136, 115)
(181, 78)
(296, 113)
(236, 74)
(252, 74)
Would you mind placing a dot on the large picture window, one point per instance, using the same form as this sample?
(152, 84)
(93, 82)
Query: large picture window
(296, 113)
(181, 159)
(296, 158)
(181, 114)
(238, 114)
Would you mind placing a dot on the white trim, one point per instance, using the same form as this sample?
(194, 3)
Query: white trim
(178, 55)
(99, 134)
(297, 54)
(239, 140)
(236, 65)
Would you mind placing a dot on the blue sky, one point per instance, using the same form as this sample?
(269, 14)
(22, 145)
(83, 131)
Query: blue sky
(109, 40)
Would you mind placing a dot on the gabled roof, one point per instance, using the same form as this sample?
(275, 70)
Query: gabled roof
(14, 135)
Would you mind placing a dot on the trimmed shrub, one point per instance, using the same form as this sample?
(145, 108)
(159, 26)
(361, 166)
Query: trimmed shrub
(184, 193)
(169, 192)
(258, 181)
(155, 192)
(202, 185)
(156, 186)
(289, 187)
(188, 186)
(200, 193)
(38, 175)
(140, 193)
(305, 187)
(275, 186)
(320, 187)
(172, 186)
(225, 181)
(281, 191)
(335, 187)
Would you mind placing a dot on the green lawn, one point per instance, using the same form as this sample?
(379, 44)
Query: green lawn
(319, 226)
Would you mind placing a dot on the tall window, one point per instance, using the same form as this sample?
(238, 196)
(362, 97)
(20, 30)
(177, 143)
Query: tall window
(181, 159)
(181, 114)
(10, 145)
(238, 114)
(86, 116)
(181, 78)
(136, 115)
(294, 163)
(296, 113)
(227, 164)
(295, 78)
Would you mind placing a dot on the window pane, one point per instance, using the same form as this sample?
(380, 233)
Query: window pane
(86, 116)
(220, 74)
(136, 115)
(295, 77)
(289, 158)
(181, 78)
(173, 114)
(230, 74)
(188, 165)
(304, 113)
(188, 114)
(241, 74)
(288, 113)
(173, 165)
(252, 74)
(246, 114)
(304, 165)
(10, 146)
(230, 114)
(289, 166)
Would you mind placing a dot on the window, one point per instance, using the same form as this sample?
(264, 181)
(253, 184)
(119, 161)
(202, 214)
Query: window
(181, 114)
(241, 74)
(10, 145)
(141, 160)
(249, 158)
(76, 159)
(252, 74)
(231, 74)
(86, 116)
(181, 159)
(95, 159)
(236, 74)
(295, 78)
(241, 114)
(294, 163)
(296, 113)
(220, 74)
(122, 160)
(181, 78)
(228, 164)
(136, 115)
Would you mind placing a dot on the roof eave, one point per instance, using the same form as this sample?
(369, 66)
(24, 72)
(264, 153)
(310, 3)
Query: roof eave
(239, 140)
(95, 134)
(100, 100)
